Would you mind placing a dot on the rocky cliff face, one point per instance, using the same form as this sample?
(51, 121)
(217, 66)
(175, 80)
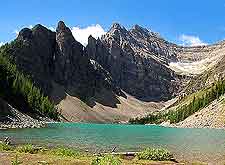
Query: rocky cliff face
(136, 61)
(205, 63)
(33, 54)
(137, 65)
(56, 57)
(198, 53)
(148, 67)
(74, 70)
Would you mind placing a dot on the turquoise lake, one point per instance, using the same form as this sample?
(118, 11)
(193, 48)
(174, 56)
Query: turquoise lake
(184, 142)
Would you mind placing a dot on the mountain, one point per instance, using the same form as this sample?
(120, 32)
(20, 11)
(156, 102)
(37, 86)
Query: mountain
(136, 65)
(50, 57)
(122, 75)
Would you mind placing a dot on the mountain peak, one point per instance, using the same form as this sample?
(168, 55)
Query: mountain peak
(38, 29)
(25, 34)
(140, 29)
(39, 26)
(91, 39)
(117, 31)
(116, 26)
(62, 27)
(63, 33)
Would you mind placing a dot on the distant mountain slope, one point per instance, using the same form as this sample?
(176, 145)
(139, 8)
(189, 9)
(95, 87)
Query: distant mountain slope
(214, 71)
(212, 116)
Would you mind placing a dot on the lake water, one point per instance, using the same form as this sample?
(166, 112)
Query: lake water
(204, 144)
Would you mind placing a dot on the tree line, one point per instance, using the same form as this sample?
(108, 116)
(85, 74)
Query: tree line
(183, 111)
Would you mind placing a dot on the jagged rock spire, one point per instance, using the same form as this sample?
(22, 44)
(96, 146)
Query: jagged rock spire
(63, 33)
(25, 34)
(116, 26)
(61, 26)
(91, 39)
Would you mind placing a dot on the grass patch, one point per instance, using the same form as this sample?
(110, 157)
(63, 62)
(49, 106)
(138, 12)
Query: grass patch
(106, 160)
(16, 161)
(5, 147)
(62, 153)
(27, 148)
(154, 154)
(65, 152)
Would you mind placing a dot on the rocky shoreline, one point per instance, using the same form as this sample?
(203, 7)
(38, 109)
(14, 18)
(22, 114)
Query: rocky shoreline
(12, 118)
(34, 124)
(178, 125)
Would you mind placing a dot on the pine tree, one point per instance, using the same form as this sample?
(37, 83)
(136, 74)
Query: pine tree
(18, 89)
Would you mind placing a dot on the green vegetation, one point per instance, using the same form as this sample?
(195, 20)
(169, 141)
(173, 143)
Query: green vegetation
(18, 89)
(16, 161)
(154, 154)
(106, 160)
(27, 148)
(61, 155)
(199, 100)
(61, 151)
(5, 147)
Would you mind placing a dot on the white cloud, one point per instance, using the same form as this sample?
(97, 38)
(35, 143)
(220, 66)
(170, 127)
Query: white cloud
(189, 40)
(1, 43)
(82, 34)
(16, 32)
(30, 26)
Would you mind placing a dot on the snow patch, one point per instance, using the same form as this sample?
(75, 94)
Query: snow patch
(196, 67)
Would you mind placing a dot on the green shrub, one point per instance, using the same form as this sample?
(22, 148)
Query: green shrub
(5, 147)
(16, 161)
(154, 154)
(106, 160)
(61, 151)
(27, 148)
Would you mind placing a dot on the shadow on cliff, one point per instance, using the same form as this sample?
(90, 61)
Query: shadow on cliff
(157, 98)
(104, 97)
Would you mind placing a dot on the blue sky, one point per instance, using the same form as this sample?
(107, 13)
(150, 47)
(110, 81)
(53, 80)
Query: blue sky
(182, 22)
